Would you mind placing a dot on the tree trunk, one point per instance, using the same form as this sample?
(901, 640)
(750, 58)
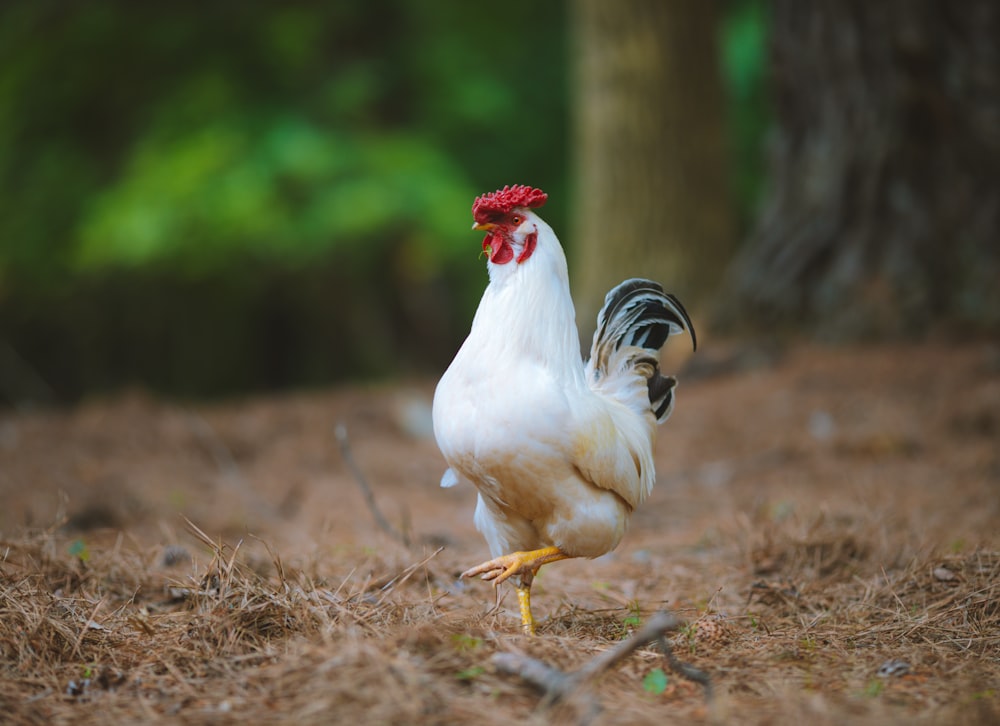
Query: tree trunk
(651, 193)
(884, 169)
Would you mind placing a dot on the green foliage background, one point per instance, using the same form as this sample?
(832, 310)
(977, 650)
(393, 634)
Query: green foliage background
(208, 198)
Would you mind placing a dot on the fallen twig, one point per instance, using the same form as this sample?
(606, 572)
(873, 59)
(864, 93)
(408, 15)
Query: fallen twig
(683, 669)
(557, 685)
(366, 491)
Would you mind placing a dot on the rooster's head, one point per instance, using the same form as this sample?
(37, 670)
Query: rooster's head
(511, 228)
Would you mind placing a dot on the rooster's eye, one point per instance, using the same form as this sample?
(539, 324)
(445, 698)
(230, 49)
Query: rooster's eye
(515, 220)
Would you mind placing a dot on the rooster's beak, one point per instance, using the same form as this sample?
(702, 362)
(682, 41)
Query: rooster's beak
(485, 226)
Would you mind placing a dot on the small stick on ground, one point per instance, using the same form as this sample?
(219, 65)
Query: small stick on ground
(557, 686)
(686, 670)
(366, 491)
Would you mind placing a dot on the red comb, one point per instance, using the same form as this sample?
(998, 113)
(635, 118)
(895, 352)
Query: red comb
(503, 200)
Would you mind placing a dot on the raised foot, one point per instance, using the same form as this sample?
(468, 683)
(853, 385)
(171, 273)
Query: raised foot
(516, 563)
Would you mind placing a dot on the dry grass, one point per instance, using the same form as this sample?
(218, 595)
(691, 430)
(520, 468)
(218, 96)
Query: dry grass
(119, 632)
(112, 633)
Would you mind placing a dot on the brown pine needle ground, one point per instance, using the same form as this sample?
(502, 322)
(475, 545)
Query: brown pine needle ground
(827, 529)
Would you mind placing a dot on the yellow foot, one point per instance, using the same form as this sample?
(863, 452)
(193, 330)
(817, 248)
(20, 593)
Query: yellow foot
(516, 563)
(524, 564)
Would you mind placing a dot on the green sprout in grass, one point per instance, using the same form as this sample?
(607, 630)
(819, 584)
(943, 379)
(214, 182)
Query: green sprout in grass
(470, 673)
(465, 643)
(689, 631)
(634, 618)
(631, 621)
(78, 549)
(874, 688)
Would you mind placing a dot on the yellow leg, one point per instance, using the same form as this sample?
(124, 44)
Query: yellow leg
(524, 565)
(524, 601)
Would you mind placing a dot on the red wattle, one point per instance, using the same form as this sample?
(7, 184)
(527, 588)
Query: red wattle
(498, 249)
(529, 246)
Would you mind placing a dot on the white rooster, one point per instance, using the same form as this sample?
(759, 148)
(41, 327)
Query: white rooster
(560, 450)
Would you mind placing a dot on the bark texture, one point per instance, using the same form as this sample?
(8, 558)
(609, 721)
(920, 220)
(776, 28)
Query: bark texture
(651, 192)
(884, 199)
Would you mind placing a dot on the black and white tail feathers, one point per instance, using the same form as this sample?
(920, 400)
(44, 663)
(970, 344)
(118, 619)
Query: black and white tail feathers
(635, 322)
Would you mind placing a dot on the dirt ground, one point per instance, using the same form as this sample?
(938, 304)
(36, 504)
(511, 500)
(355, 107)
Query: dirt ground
(826, 524)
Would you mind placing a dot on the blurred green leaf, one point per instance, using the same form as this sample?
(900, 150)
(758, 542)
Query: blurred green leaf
(276, 188)
(184, 138)
(655, 682)
(744, 58)
(177, 177)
